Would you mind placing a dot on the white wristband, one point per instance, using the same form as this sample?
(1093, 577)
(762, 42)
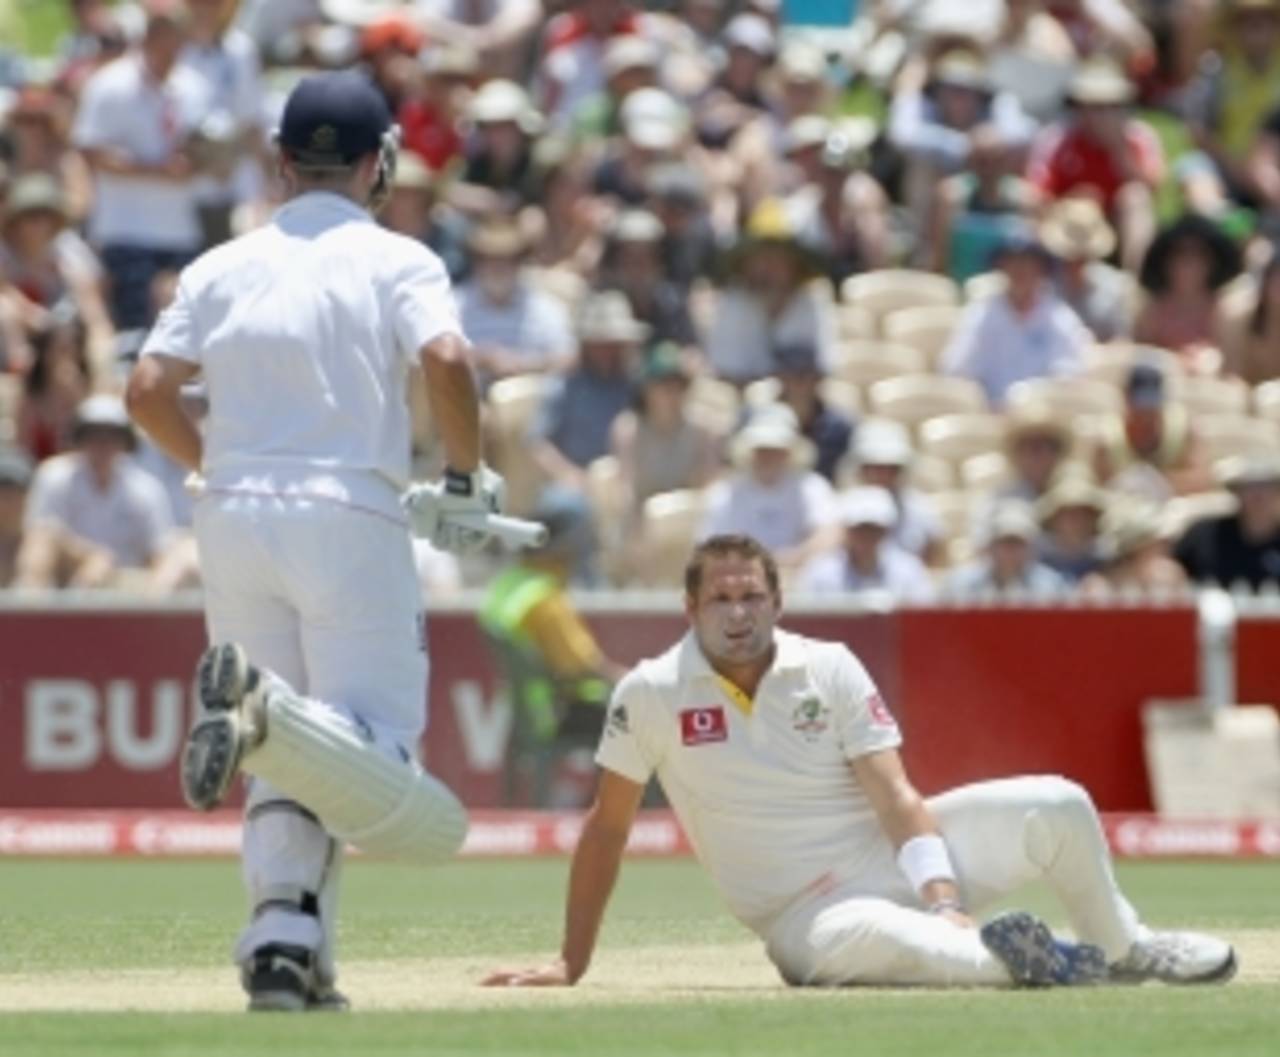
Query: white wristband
(924, 859)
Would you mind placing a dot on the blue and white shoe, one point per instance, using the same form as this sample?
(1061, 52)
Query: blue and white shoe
(1027, 948)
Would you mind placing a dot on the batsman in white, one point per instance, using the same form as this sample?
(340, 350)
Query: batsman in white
(781, 762)
(305, 332)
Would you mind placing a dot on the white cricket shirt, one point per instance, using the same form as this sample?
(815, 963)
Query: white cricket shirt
(767, 799)
(306, 330)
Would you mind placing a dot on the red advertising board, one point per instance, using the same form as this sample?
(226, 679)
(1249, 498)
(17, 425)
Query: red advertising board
(94, 703)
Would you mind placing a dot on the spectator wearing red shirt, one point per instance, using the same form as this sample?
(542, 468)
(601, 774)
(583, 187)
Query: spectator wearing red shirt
(1102, 150)
(572, 68)
(431, 114)
(389, 47)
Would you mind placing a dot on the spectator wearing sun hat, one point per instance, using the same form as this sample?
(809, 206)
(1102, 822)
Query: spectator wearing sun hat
(1102, 150)
(868, 560)
(513, 326)
(1070, 516)
(1153, 449)
(630, 63)
(1007, 564)
(499, 174)
(572, 427)
(770, 300)
(828, 429)
(1037, 443)
(96, 497)
(632, 262)
(1076, 232)
(1024, 331)
(882, 454)
(575, 42)
(1242, 547)
(774, 495)
(1136, 553)
(655, 130)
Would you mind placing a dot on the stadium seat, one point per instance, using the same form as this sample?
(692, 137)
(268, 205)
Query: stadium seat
(855, 323)
(512, 405)
(1067, 396)
(841, 395)
(761, 393)
(670, 525)
(914, 398)
(882, 292)
(1212, 396)
(983, 474)
(932, 474)
(714, 404)
(865, 362)
(1112, 362)
(10, 397)
(927, 328)
(1266, 401)
(608, 500)
(1227, 435)
(955, 512)
(957, 437)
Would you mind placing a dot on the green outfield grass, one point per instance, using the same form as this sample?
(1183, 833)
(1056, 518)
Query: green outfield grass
(677, 974)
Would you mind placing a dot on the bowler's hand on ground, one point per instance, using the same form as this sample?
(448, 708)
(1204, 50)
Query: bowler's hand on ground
(553, 974)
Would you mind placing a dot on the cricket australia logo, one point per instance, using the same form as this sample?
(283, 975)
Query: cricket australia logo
(811, 718)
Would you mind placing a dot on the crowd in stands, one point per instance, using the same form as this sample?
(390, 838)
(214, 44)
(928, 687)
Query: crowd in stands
(953, 300)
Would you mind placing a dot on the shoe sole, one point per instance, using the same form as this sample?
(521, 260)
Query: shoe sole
(223, 677)
(1034, 958)
(277, 1002)
(1024, 946)
(215, 743)
(210, 760)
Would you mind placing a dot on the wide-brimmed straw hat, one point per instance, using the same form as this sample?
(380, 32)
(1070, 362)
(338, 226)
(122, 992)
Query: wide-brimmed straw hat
(606, 317)
(1241, 471)
(1035, 420)
(497, 238)
(500, 101)
(1072, 490)
(35, 193)
(1076, 228)
(1100, 82)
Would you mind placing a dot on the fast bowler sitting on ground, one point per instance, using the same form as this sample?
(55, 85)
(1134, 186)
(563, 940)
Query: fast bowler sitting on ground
(305, 332)
(781, 761)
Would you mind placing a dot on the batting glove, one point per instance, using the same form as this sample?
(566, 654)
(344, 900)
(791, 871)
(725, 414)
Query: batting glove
(451, 512)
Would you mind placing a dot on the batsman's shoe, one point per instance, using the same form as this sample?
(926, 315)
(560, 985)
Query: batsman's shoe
(1034, 958)
(324, 998)
(1176, 958)
(279, 977)
(217, 739)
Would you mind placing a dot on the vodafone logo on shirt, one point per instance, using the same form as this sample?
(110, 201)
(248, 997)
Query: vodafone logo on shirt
(701, 726)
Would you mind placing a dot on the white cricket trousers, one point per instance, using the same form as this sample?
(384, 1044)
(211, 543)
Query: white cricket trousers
(326, 597)
(1002, 835)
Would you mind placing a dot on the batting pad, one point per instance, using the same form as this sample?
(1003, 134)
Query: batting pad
(362, 794)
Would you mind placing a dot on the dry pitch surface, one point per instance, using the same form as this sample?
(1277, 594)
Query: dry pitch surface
(632, 975)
